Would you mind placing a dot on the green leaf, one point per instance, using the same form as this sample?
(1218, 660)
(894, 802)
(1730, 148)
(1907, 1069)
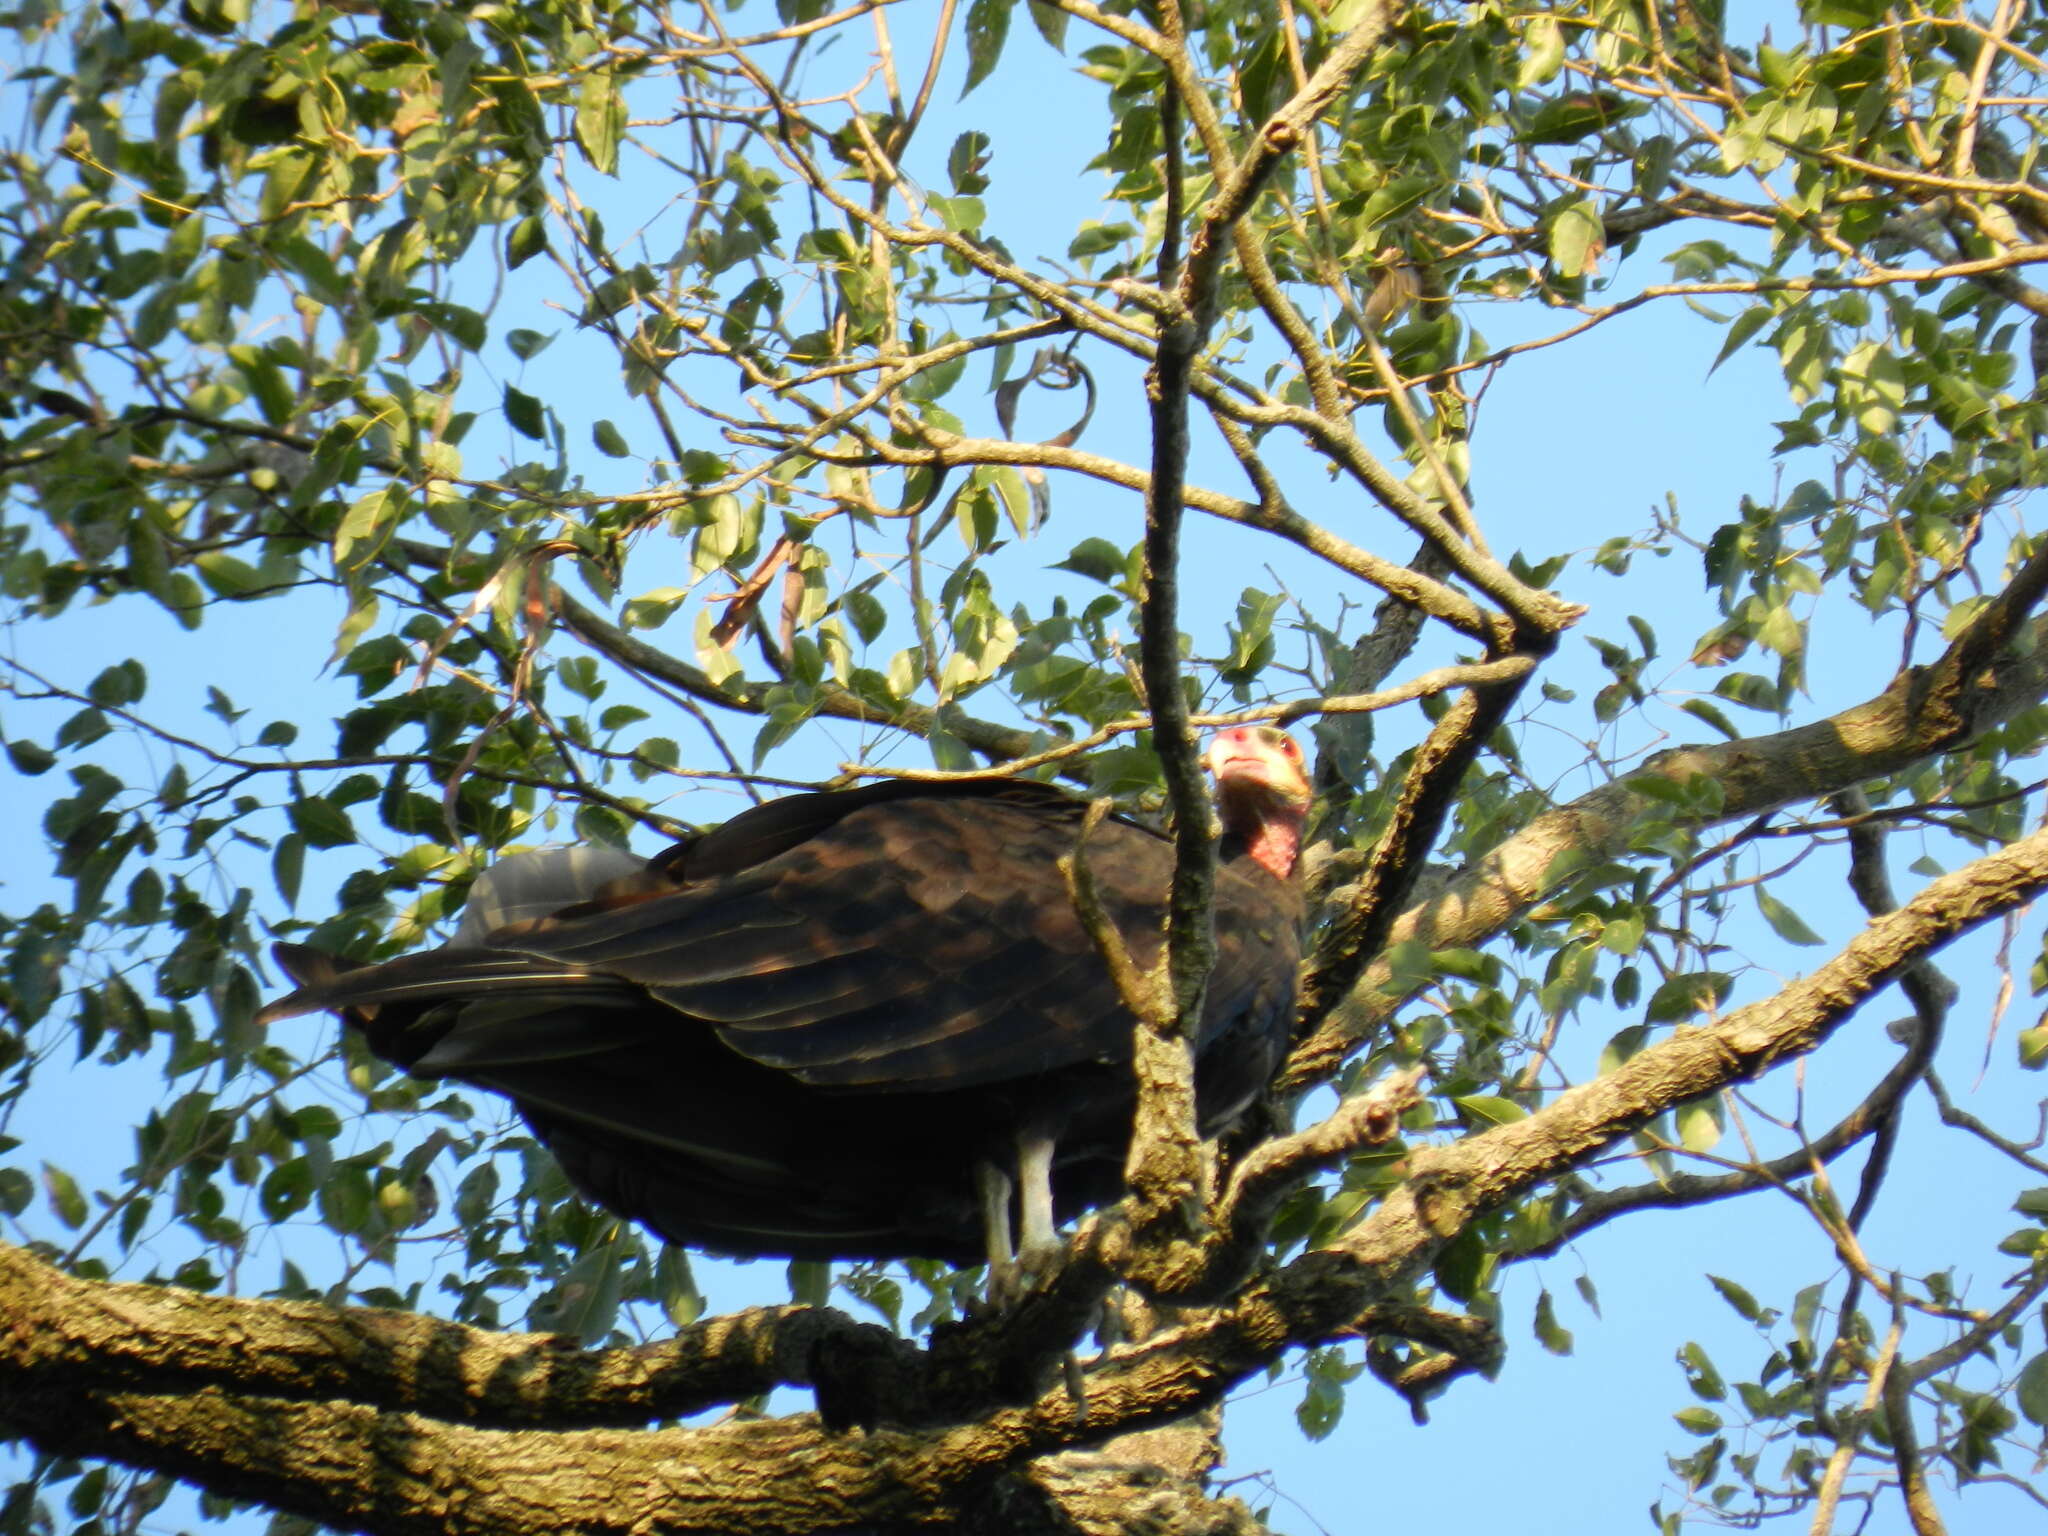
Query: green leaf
(1542, 52)
(1682, 996)
(1325, 1374)
(30, 759)
(964, 214)
(651, 610)
(1097, 559)
(526, 345)
(1576, 236)
(359, 619)
(1654, 159)
(1463, 1265)
(600, 120)
(83, 729)
(1700, 709)
(1625, 1044)
(1574, 116)
(1588, 1293)
(1051, 22)
(463, 325)
(118, 685)
(1490, 1109)
(1699, 1123)
(1551, 1334)
(586, 1302)
(288, 866)
(227, 577)
(902, 676)
(1750, 691)
(64, 1196)
(974, 516)
(868, 614)
(1736, 1297)
(529, 237)
(810, 1282)
(1786, 923)
(287, 1189)
(368, 522)
(525, 413)
(969, 156)
(1096, 238)
(321, 823)
(676, 1287)
(1701, 1375)
(2031, 1390)
(1698, 1421)
(1391, 201)
(1008, 484)
(1745, 327)
(275, 397)
(988, 24)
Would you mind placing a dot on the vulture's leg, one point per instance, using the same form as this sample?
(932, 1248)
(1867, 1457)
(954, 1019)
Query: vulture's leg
(1011, 1269)
(993, 1185)
(1037, 1237)
(1038, 1240)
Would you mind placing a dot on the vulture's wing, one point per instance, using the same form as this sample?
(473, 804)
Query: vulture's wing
(906, 939)
(902, 936)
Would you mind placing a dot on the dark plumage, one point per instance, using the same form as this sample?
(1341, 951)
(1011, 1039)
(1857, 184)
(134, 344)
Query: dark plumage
(832, 1026)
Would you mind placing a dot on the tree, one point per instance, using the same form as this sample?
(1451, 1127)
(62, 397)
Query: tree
(265, 269)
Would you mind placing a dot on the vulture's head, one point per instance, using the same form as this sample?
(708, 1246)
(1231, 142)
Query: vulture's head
(1262, 793)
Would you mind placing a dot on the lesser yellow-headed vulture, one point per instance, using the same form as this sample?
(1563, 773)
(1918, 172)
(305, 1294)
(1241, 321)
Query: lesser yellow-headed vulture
(836, 1026)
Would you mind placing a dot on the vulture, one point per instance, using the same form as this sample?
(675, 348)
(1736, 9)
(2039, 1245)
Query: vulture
(858, 1024)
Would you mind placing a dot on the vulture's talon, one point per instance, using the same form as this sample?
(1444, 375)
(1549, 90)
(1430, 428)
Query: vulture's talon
(1005, 1286)
(1039, 1264)
(1015, 1280)
(1025, 1276)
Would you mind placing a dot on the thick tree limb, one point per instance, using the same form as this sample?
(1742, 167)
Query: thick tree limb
(1926, 711)
(1687, 1189)
(140, 1338)
(1449, 1186)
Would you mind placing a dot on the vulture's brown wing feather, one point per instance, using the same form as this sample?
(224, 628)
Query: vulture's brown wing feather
(919, 941)
(913, 942)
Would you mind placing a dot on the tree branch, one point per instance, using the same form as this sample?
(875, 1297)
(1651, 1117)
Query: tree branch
(1450, 1186)
(1927, 710)
(144, 1338)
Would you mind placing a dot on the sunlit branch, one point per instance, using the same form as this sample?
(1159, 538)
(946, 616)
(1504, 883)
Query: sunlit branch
(1423, 685)
(1450, 1185)
(1359, 930)
(1973, 687)
(945, 450)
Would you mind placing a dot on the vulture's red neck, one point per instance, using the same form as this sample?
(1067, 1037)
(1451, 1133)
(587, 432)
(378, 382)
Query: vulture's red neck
(1262, 795)
(1273, 841)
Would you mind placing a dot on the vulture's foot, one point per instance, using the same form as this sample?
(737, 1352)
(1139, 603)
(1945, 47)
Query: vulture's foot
(1031, 1270)
(1017, 1270)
